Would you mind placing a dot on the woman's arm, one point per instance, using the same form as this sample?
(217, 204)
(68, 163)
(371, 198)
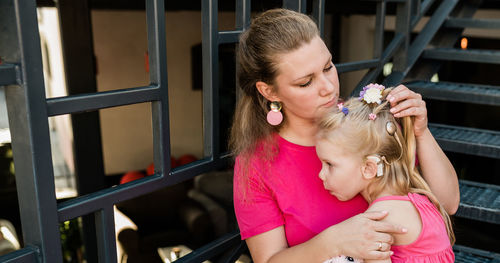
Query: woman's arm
(436, 168)
(358, 237)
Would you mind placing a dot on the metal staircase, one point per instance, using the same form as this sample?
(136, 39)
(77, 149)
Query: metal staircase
(479, 201)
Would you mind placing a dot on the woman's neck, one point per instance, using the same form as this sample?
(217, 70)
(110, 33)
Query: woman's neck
(299, 133)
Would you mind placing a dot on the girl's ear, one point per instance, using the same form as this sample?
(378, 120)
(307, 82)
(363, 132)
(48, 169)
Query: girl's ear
(369, 169)
(266, 91)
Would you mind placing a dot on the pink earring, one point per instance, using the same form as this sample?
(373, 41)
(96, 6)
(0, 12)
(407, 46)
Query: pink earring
(274, 116)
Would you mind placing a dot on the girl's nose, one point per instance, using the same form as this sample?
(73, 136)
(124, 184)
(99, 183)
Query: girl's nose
(321, 176)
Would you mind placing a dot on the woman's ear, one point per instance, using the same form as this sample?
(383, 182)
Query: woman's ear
(266, 91)
(369, 169)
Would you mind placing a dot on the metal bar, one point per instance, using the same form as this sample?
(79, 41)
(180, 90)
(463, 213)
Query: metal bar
(101, 100)
(201, 166)
(318, 12)
(357, 65)
(449, 91)
(403, 14)
(297, 5)
(100, 199)
(235, 253)
(379, 30)
(31, 146)
(27, 254)
(429, 31)
(106, 241)
(8, 74)
(155, 14)
(386, 56)
(469, 55)
(211, 249)
(243, 9)
(446, 37)
(229, 36)
(422, 40)
(472, 23)
(78, 51)
(424, 7)
(478, 202)
(465, 140)
(415, 8)
(210, 49)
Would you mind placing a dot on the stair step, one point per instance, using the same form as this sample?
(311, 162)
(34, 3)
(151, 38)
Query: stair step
(467, 255)
(449, 91)
(472, 23)
(468, 55)
(479, 201)
(472, 141)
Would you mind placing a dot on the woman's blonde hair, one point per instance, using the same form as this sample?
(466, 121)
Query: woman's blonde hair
(271, 34)
(358, 134)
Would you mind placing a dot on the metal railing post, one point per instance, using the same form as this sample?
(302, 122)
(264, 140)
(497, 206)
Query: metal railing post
(28, 123)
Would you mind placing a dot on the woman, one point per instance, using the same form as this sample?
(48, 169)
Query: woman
(282, 210)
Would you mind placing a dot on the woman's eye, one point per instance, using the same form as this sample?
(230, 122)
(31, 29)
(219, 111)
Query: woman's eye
(328, 68)
(306, 84)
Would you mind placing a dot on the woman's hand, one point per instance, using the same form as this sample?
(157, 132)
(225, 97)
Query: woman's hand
(405, 102)
(364, 236)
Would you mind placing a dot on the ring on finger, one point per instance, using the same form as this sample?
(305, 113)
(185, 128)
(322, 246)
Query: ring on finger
(379, 246)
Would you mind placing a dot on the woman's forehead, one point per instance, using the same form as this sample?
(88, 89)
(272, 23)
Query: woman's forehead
(307, 59)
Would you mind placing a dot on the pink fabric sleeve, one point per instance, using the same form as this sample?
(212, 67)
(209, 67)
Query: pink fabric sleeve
(255, 205)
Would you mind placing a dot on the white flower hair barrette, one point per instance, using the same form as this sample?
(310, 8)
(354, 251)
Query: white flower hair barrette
(372, 93)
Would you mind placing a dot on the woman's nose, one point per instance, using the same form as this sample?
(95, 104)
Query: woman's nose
(327, 86)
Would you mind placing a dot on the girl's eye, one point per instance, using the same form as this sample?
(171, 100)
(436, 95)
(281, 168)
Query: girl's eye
(328, 68)
(306, 84)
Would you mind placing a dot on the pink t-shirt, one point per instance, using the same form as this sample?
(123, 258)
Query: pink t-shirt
(432, 244)
(289, 193)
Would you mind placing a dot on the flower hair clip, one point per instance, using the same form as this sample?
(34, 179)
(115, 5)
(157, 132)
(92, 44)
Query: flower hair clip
(372, 93)
(343, 109)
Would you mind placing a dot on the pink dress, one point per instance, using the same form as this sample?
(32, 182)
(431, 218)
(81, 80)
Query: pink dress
(433, 244)
(288, 192)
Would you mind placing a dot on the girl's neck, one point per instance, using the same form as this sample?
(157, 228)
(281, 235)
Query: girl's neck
(299, 133)
(386, 192)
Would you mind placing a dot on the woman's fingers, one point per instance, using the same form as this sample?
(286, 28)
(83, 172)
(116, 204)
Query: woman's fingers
(386, 227)
(375, 215)
(400, 93)
(405, 102)
(380, 254)
(410, 107)
(382, 246)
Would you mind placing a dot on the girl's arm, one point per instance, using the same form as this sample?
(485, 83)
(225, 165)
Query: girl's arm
(437, 170)
(357, 237)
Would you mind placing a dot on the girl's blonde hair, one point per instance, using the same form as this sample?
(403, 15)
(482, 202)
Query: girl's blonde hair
(360, 135)
(271, 34)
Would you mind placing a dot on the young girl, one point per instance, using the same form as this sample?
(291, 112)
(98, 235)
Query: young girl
(364, 151)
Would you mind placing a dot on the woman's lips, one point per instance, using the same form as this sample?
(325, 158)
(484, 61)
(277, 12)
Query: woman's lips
(329, 103)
